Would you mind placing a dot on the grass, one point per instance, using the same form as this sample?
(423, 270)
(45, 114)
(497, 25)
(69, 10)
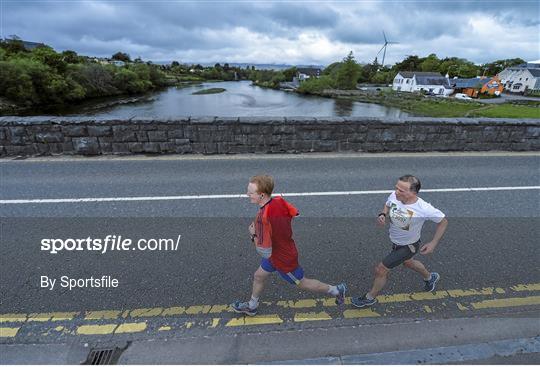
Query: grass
(210, 91)
(509, 111)
(447, 107)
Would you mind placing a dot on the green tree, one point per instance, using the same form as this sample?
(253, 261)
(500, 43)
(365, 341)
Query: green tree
(128, 81)
(411, 63)
(430, 63)
(16, 83)
(290, 73)
(121, 56)
(70, 57)
(96, 79)
(495, 67)
(347, 75)
(332, 69)
(13, 46)
(49, 57)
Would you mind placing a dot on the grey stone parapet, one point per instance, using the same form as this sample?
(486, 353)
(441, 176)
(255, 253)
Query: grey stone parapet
(32, 136)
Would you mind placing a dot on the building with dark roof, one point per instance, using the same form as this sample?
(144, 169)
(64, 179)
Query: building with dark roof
(417, 81)
(305, 73)
(521, 78)
(475, 86)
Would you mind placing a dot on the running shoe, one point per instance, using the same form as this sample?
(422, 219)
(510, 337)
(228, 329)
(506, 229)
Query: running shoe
(363, 301)
(429, 285)
(243, 307)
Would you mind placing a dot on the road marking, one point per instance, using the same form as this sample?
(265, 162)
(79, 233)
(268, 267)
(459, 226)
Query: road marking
(470, 292)
(8, 332)
(243, 196)
(394, 307)
(355, 314)
(311, 316)
(172, 311)
(215, 322)
(52, 316)
(131, 327)
(255, 320)
(526, 287)
(146, 312)
(13, 317)
(304, 303)
(216, 309)
(96, 329)
(194, 310)
(106, 314)
(507, 302)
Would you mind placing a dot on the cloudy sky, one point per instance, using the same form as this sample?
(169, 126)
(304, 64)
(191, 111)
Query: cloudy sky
(283, 32)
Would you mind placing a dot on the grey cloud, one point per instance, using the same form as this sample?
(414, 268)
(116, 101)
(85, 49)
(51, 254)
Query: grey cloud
(210, 29)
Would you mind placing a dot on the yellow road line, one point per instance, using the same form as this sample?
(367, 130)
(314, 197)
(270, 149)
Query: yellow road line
(255, 320)
(96, 329)
(355, 314)
(215, 322)
(173, 311)
(52, 316)
(146, 312)
(471, 292)
(311, 316)
(194, 310)
(13, 317)
(526, 287)
(131, 327)
(99, 315)
(216, 309)
(303, 303)
(507, 302)
(8, 332)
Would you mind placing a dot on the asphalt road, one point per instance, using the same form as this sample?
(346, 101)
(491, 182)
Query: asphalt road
(491, 242)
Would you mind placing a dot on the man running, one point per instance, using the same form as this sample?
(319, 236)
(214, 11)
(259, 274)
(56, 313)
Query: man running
(407, 214)
(271, 233)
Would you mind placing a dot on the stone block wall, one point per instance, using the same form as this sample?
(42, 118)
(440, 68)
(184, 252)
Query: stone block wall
(32, 136)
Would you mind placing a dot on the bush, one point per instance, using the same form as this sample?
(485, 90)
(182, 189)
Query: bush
(315, 85)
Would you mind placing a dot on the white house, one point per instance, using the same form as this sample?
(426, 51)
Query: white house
(306, 73)
(521, 78)
(416, 81)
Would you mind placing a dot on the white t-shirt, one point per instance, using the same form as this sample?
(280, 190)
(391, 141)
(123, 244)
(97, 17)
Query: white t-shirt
(406, 221)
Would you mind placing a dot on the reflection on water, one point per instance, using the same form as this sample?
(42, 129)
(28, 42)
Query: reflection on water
(240, 99)
(343, 107)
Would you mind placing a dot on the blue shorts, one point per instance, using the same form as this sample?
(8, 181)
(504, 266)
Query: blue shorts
(293, 277)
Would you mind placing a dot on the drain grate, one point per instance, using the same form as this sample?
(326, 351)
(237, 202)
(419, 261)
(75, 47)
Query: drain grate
(104, 356)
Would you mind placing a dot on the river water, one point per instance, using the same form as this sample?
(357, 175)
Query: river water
(239, 99)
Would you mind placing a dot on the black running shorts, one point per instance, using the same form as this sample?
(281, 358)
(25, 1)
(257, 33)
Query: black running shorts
(399, 254)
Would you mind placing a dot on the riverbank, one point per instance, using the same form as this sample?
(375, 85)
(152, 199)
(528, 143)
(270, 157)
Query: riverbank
(420, 105)
(8, 108)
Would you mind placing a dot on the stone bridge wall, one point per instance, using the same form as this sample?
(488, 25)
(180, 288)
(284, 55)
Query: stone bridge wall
(30, 136)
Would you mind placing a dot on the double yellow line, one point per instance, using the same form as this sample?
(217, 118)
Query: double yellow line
(130, 321)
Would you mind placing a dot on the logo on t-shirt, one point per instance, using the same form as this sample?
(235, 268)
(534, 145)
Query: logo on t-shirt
(401, 218)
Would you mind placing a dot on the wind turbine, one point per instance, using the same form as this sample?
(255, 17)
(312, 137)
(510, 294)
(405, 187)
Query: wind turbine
(386, 43)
